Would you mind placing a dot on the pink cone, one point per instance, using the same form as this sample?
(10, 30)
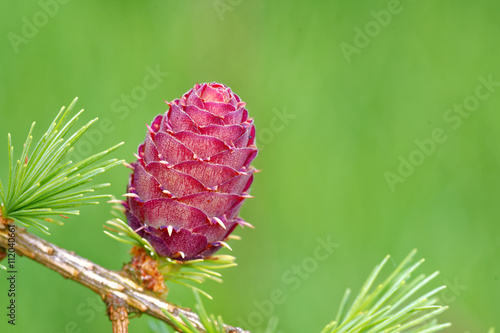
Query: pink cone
(193, 173)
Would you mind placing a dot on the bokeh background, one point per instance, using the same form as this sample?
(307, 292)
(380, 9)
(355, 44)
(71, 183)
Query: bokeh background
(340, 92)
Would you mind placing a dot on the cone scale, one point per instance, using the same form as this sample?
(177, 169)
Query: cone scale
(193, 173)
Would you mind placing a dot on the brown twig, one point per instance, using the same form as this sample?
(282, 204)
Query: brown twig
(118, 314)
(107, 283)
(119, 319)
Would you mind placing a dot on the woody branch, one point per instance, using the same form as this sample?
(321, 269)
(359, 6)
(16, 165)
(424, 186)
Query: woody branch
(110, 285)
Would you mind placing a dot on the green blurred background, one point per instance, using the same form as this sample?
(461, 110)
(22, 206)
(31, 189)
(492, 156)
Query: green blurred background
(335, 108)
